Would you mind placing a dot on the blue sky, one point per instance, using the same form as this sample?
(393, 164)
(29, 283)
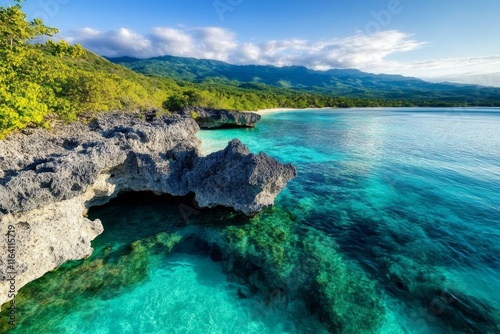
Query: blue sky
(438, 40)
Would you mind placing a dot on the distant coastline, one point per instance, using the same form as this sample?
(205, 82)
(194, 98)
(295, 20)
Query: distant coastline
(275, 110)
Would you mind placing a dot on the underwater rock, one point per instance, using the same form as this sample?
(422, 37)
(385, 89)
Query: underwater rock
(48, 180)
(220, 118)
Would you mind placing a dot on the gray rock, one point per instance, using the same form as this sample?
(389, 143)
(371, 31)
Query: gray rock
(208, 118)
(48, 179)
(160, 155)
(239, 179)
(45, 167)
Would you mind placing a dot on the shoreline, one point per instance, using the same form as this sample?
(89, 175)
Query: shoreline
(276, 110)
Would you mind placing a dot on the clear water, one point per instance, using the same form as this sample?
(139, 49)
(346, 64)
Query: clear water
(183, 294)
(405, 192)
(396, 208)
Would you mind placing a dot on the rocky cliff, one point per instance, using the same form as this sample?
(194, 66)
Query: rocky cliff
(219, 118)
(48, 180)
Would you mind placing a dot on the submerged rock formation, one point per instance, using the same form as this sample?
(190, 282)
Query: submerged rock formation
(49, 179)
(219, 118)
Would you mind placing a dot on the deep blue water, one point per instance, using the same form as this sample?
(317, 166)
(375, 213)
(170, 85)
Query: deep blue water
(409, 198)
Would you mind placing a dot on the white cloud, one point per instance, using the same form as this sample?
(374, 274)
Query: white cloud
(113, 43)
(170, 41)
(206, 42)
(476, 70)
(214, 43)
(221, 44)
(365, 52)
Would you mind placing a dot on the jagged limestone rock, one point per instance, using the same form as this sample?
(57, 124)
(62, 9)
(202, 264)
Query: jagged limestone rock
(208, 118)
(48, 180)
(237, 178)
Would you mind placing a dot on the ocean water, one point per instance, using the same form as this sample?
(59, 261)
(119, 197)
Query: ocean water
(392, 226)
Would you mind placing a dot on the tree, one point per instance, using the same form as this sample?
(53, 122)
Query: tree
(190, 97)
(175, 102)
(21, 70)
(16, 31)
(29, 85)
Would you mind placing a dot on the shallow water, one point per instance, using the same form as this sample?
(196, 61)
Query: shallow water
(395, 214)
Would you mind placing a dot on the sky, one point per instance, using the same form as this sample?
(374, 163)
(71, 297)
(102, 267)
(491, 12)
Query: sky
(436, 40)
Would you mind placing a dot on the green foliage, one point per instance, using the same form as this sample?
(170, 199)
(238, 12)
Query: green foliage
(175, 102)
(40, 81)
(62, 49)
(23, 69)
(16, 31)
(362, 89)
(191, 97)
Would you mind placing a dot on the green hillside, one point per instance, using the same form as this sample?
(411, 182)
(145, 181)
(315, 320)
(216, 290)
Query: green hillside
(336, 82)
(43, 83)
(40, 83)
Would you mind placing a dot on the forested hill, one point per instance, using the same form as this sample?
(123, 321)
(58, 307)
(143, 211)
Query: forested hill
(336, 82)
(43, 83)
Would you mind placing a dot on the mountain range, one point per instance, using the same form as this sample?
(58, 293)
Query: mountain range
(334, 82)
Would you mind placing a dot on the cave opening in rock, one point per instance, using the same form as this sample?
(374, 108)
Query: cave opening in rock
(162, 265)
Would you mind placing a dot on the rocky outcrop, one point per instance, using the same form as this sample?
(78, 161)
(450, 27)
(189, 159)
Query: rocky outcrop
(219, 118)
(49, 179)
(239, 179)
(43, 168)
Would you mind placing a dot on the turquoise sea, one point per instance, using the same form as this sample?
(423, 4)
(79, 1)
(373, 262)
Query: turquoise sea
(391, 226)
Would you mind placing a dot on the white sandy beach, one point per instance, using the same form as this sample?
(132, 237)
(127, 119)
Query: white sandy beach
(274, 110)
